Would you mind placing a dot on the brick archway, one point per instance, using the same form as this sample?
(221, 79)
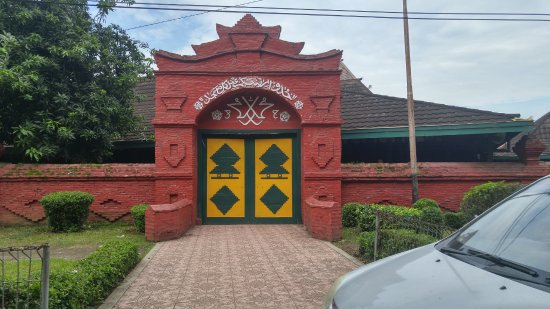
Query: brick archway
(251, 59)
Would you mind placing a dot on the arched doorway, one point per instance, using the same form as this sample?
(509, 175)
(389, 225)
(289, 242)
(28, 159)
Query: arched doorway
(249, 160)
(216, 97)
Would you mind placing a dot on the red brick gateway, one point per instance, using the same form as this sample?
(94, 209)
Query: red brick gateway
(248, 130)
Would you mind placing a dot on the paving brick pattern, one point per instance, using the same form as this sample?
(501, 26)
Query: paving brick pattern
(238, 266)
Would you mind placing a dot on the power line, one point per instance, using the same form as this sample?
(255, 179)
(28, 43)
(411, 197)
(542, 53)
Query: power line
(188, 16)
(342, 10)
(336, 15)
(310, 14)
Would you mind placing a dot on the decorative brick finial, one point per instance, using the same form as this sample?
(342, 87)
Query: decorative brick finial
(528, 149)
(248, 21)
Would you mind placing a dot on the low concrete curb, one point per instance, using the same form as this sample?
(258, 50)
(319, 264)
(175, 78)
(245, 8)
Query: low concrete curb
(114, 297)
(345, 254)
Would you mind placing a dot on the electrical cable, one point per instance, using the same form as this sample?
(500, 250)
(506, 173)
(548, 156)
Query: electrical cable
(187, 16)
(338, 15)
(224, 10)
(340, 10)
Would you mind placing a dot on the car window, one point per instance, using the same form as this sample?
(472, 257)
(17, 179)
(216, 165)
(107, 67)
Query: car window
(541, 186)
(518, 230)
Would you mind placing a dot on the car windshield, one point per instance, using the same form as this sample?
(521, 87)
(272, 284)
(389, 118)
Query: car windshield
(513, 236)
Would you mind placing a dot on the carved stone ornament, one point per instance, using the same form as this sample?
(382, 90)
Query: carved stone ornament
(173, 153)
(249, 110)
(173, 104)
(322, 152)
(248, 82)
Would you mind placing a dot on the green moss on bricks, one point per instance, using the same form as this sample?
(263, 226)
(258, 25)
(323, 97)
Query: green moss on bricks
(33, 172)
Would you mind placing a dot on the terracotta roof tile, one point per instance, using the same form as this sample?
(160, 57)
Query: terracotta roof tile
(361, 109)
(541, 131)
(145, 108)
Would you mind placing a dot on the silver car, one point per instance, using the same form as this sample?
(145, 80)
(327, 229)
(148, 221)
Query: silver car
(499, 260)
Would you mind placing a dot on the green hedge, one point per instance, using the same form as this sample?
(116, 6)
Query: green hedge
(138, 215)
(67, 211)
(432, 215)
(454, 220)
(424, 203)
(393, 241)
(367, 219)
(350, 212)
(482, 197)
(90, 280)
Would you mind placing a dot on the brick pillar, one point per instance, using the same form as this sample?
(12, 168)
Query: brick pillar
(529, 149)
(321, 195)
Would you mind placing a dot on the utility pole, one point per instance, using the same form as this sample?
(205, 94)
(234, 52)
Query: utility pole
(410, 107)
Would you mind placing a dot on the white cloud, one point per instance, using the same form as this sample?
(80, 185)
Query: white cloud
(468, 63)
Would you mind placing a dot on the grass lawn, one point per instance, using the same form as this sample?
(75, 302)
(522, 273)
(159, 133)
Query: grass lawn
(75, 245)
(66, 251)
(65, 248)
(350, 242)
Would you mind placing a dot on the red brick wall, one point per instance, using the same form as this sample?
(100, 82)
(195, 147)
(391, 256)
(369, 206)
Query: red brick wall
(168, 221)
(444, 182)
(252, 61)
(116, 188)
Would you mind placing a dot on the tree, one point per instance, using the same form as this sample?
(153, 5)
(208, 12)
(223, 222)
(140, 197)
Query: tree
(66, 80)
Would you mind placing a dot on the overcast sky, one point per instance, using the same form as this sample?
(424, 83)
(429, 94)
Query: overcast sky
(496, 66)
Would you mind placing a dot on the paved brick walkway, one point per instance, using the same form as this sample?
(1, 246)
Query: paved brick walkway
(236, 266)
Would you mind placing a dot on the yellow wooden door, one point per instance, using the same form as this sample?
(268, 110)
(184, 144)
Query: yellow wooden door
(273, 178)
(249, 180)
(225, 174)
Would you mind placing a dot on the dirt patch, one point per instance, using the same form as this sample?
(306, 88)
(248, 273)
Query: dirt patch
(352, 248)
(72, 253)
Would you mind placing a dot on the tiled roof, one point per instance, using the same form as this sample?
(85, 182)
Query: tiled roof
(541, 131)
(145, 108)
(346, 73)
(361, 109)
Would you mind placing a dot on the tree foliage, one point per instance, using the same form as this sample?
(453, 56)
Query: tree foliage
(66, 80)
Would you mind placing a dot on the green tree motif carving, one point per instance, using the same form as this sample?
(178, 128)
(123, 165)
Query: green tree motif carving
(274, 158)
(225, 158)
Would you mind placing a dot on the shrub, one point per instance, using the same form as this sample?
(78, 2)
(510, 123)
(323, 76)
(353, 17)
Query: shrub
(367, 218)
(432, 214)
(106, 267)
(138, 215)
(350, 211)
(68, 210)
(425, 203)
(94, 277)
(482, 197)
(392, 241)
(454, 220)
(366, 244)
(88, 281)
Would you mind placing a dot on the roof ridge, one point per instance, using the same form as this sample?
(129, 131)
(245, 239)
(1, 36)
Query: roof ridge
(542, 119)
(359, 81)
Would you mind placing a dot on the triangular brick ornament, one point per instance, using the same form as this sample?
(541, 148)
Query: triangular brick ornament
(173, 104)
(322, 104)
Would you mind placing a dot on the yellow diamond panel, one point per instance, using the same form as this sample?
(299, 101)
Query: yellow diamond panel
(273, 177)
(225, 178)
